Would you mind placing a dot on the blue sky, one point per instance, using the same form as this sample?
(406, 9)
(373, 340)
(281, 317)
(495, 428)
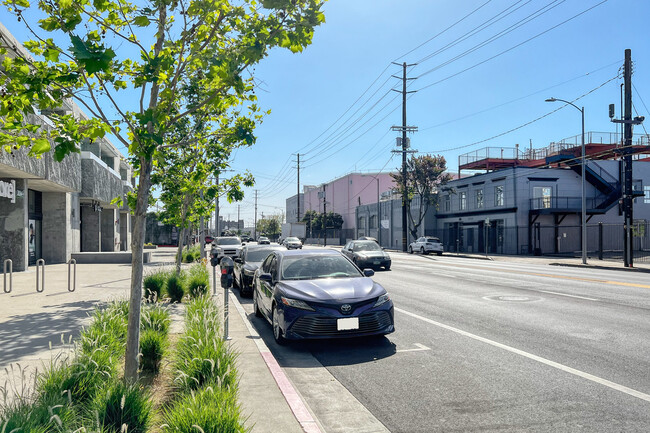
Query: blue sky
(309, 92)
(474, 81)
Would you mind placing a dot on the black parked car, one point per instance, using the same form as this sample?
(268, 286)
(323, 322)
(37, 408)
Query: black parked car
(367, 254)
(247, 263)
(319, 293)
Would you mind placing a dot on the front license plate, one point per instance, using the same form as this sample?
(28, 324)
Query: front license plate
(347, 323)
(376, 262)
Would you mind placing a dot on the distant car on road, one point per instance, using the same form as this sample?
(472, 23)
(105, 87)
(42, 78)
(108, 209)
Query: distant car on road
(246, 264)
(319, 293)
(226, 246)
(426, 245)
(367, 254)
(292, 243)
(263, 240)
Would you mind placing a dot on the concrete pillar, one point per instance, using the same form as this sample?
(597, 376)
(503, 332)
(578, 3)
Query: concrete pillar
(125, 231)
(13, 226)
(110, 229)
(90, 229)
(57, 236)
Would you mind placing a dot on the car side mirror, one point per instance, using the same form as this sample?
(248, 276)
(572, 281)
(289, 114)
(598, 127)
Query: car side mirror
(239, 260)
(266, 277)
(368, 272)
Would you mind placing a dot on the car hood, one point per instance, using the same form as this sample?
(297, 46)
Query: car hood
(251, 266)
(332, 289)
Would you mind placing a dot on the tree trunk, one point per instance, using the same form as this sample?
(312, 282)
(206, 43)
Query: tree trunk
(179, 252)
(135, 300)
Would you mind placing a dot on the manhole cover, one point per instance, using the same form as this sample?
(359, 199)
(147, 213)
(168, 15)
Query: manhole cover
(512, 298)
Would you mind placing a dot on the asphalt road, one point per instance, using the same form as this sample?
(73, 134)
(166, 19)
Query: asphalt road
(495, 346)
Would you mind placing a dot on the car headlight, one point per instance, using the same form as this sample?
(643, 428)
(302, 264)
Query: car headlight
(382, 300)
(296, 303)
(249, 272)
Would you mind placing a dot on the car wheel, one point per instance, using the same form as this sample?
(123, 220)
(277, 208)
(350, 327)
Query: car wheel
(439, 253)
(387, 268)
(277, 331)
(410, 249)
(256, 308)
(422, 251)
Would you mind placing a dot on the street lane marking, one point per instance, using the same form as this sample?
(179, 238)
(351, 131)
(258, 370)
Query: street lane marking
(420, 348)
(582, 374)
(570, 296)
(561, 277)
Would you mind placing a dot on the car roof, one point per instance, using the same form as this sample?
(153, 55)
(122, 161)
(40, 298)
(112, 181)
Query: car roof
(319, 252)
(249, 247)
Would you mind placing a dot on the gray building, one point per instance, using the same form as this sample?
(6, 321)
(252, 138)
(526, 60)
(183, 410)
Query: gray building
(49, 209)
(292, 208)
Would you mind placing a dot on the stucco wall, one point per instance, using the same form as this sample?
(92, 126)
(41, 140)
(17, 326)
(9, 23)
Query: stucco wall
(98, 182)
(13, 223)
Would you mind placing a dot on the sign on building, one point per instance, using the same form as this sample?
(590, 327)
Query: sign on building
(8, 190)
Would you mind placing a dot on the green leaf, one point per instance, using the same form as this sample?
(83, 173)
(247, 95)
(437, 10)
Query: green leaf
(141, 21)
(41, 146)
(51, 55)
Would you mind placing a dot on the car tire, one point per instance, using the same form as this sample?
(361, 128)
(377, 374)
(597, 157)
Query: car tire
(410, 249)
(256, 308)
(439, 253)
(277, 331)
(387, 268)
(422, 251)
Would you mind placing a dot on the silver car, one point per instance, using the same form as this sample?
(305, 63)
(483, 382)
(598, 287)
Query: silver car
(426, 245)
(292, 243)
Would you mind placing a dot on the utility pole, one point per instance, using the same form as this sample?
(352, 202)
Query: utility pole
(627, 151)
(298, 192)
(255, 222)
(238, 228)
(217, 231)
(405, 149)
(324, 217)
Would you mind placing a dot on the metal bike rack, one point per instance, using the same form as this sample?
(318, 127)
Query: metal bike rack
(40, 264)
(11, 275)
(74, 281)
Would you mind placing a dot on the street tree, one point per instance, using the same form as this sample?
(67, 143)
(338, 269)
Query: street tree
(270, 226)
(310, 218)
(126, 64)
(425, 175)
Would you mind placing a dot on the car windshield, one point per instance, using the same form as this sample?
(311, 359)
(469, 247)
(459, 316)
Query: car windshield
(228, 241)
(366, 246)
(433, 240)
(317, 266)
(257, 255)
(292, 240)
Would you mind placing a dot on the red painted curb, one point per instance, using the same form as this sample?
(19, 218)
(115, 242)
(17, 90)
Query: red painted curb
(296, 404)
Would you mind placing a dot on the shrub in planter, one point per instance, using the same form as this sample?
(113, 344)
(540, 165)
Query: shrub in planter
(154, 284)
(152, 348)
(156, 318)
(175, 288)
(122, 405)
(214, 410)
(198, 281)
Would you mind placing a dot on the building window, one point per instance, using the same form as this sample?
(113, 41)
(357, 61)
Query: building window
(372, 222)
(479, 198)
(646, 194)
(498, 195)
(463, 200)
(542, 196)
(362, 223)
(447, 203)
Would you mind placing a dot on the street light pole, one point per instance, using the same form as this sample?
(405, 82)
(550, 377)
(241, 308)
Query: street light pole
(582, 181)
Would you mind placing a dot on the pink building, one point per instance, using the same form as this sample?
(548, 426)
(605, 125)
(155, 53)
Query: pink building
(344, 194)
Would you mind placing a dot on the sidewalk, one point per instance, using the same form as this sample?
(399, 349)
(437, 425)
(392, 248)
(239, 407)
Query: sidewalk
(31, 321)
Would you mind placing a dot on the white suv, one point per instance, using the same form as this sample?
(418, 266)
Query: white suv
(426, 245)
(226, 246)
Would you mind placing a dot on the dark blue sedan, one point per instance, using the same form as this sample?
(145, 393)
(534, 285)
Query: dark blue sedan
(320, 294)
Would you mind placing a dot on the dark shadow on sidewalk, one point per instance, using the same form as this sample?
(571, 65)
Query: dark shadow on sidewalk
(26, 334)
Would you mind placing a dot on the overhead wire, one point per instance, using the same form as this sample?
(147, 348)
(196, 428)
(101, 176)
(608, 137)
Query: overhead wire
(511, 48)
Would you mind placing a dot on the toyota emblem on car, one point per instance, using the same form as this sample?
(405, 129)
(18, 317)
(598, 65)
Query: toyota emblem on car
(346, 308)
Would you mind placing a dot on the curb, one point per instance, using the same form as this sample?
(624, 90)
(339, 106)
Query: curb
(603, 267)
(296, 404)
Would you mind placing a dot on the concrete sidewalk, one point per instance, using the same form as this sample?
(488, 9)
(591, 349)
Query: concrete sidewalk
(32, 322)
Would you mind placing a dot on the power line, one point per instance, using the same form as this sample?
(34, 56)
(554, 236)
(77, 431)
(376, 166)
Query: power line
(513, 47)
